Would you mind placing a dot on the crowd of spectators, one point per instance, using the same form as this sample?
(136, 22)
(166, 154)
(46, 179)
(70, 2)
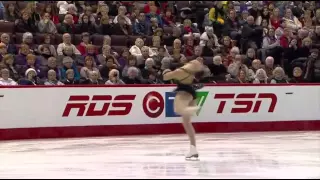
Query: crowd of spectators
(133, 42)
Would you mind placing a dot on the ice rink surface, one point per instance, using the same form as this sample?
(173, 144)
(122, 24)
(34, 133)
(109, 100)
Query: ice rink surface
(231, 155)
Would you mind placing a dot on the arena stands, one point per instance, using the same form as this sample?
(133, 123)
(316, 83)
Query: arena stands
(133, 42)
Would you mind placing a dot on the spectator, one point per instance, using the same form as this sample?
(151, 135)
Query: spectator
(66, 38)
(89, 65)
(123, 59)
(122, 14)
(48, 42)
(104, 27)
(30, 78)
(107, 41)
(85, 42)
(52, 12)
(11, 12)
(250, 56)
(68, 63)
(52, 79)
(291, 21)
(168, 18)
(189, 46)
(147, 7)
(243, 18)
(27, 38)
(275, 19)
(107, 67)
(31, 8)
(94, 78)
(8, 61)
(269, 66)
(30, 63)
(149, 68)
(3, 51)
(232, 26)
(114, 78)
(11, 48)
(153, 14)
(51, 65)
(315, 37)
(217, 16)
(236, 66)
(241, 77)
(252, 34)
(140, 26)
(264, 19)
(270, 44)
(254, 11)
(297, 75)
(313, 69)
(81, 6)
(121, 27)
(278, 76)
(88, 13)
(92, 51)
(133, 76)
(217, 69)
(63, 7)
(46, 25)
(136, 49)
(188, 28)
(5, 79)
(67, 26)
(25, 24)
(132, 62)
(44, 54)
(114, 8)
(70, 79)
(255, 65)
(209, 35)
(103, 10)
(260, 77)
(165, 64)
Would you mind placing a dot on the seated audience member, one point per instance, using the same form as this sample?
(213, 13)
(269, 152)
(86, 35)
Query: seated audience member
(52, 79)
(5, 79)
(114, 78)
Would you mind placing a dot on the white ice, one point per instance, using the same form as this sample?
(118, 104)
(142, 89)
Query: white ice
(232, 155)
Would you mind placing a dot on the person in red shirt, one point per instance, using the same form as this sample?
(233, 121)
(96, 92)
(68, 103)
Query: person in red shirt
(148, 5)
(54, 15)
(73, 11)
(285, 38)
(168, 19)
(275, 18)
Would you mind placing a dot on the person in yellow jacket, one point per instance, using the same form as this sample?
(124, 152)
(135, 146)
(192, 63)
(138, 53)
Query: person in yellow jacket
(216, 13)
(217, 16)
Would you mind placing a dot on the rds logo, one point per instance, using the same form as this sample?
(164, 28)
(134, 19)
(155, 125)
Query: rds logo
(154, 104)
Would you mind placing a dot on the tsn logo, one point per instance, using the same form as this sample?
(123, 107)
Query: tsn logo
(248, 102)
(119, 105)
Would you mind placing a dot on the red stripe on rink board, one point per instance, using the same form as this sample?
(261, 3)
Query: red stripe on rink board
(151, 129)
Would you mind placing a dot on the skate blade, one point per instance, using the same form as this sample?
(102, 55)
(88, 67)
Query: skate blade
(192, 159)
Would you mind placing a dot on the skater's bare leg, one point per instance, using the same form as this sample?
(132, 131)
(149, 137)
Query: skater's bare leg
(188, 127)
(182, 102)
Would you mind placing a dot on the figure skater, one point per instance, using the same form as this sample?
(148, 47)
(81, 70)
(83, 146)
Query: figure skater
(185, 99)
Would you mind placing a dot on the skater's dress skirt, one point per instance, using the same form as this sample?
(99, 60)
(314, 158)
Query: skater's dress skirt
(186, 88)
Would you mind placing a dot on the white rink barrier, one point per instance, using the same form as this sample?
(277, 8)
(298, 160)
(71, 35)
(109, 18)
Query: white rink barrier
(65, 111)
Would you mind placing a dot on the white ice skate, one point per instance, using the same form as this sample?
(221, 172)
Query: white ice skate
(193, 154)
